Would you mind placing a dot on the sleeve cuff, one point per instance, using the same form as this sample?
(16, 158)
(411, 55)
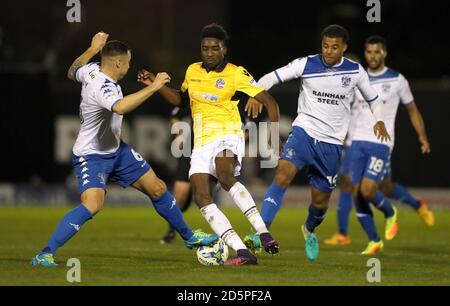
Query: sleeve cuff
(74, 74)
(112, 106)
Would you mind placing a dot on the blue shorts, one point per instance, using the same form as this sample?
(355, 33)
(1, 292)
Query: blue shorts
(124, 167)
(345, 161)
(368, 160)
(322, 158)
(388, 170)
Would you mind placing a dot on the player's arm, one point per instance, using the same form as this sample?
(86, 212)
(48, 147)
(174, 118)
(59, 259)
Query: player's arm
(417, 122)
(131, 102)
(171, 95)
(293, 70)
(273, 112)
(270, 105)
(375, 103)
(97, 43)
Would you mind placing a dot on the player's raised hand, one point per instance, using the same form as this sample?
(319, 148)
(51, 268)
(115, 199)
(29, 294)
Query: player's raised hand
(160, 80)
(145, 77)
(425, 146)
(380, 131)
(253, 108)
(99, 40)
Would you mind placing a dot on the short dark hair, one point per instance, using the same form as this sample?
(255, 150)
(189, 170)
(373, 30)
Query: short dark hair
(114, 48)
(376, 39)
(215, 30)
(336, 31)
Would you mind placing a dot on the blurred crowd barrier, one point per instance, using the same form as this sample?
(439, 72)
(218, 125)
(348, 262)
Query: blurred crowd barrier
(17, 195)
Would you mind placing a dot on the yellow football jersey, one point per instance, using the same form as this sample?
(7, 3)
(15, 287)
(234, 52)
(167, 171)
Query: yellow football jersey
(214, 98)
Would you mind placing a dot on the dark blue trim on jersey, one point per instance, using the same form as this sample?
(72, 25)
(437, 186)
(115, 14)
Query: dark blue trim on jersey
(278, 77)
(109, 81)
(315, 65)
(112, 106)
(74, 73)
(371, 100)
(388, 74)
(328, 75)
(408, 102)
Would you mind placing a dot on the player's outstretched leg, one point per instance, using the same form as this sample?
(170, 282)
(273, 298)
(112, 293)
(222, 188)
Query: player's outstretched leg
(369, 190)
(222, 227)
(365, 218)
(401, 194)
(315, 217)
(203, 185)
(245, 202)
(425, 213)
(270, 207)
(225, 169)
(70, 225)
(285, 172)
(183, 194)
(344, 209)
(166, 206)
(390, 213)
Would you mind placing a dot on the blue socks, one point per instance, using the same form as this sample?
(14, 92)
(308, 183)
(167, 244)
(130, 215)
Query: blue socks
(315, 217)
(272, 203)
(402, 195)
(343, 211)
(383, 204)
(67, 228)
(365, 217)
(167, 207)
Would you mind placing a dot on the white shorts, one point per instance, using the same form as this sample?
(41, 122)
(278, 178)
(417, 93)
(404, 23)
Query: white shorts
(203, 158)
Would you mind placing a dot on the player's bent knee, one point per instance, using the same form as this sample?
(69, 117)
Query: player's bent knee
(282, 179)
(321, 202)
(158, 189)
(226, 180)
(368, 191)
(93, 207)
(202, 199)
(93, 199)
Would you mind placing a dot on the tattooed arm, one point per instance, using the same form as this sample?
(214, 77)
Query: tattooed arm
(97, 43)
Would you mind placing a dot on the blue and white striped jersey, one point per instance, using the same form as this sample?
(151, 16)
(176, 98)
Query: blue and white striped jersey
(100, 126)
(325, 94)
(393, 88)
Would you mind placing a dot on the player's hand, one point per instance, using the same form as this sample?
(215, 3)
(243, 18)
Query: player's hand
(99, 40)
(380, 131)
(425, 146)
(253, 108)
(160, 80)
(145, 77)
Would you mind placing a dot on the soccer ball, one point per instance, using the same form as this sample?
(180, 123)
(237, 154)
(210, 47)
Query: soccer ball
(214, 255)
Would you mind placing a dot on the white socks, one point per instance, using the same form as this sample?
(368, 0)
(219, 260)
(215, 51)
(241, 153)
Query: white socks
(222, 227)
(245, 202)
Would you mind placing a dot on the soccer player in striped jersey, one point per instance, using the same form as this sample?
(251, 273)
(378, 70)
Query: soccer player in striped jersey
(369, 159)
(99, 155)
(328, 81)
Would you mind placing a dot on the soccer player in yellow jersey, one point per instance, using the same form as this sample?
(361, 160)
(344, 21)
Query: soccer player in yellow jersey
(213, 87)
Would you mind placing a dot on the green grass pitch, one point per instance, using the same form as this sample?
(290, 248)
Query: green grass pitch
(120, 246)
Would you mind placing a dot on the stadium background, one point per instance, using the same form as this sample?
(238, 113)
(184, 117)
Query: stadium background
(39, 119)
